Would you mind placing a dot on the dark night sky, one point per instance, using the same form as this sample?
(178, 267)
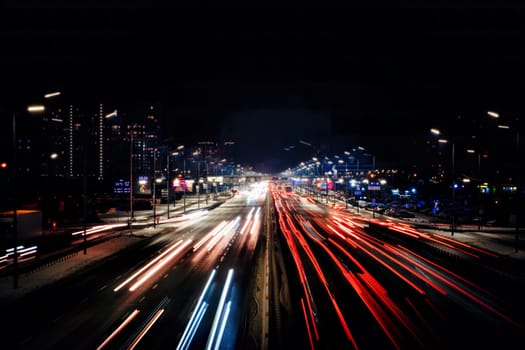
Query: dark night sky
(268, 77)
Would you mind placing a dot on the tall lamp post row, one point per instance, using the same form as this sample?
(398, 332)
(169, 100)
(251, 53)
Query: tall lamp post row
(437, 132)
(496, 116)
(179, 151)
(32, 109)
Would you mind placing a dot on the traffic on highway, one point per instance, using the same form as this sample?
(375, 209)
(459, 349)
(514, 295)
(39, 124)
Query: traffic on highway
(275, 268)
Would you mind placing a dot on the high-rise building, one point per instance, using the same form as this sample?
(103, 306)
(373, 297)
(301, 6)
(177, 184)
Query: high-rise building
(131, 138)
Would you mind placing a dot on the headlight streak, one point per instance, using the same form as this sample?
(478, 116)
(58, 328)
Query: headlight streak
(24, 254)
(189, 219)
(248, 217)
(96, 229)
(210, 234)
(218, 314)
(256, 222)
(223, 325)
(119, 329)
(116, 289)
(196, 317)
(146, 325)
(157, 267)
(225, 231)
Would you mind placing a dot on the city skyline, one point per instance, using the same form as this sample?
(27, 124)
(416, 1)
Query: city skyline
(376, 77)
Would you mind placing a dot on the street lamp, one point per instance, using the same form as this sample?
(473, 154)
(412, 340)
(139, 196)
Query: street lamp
(168, 184)
(495, 115)
(130, 219)
(437, 132)
(131, 182)
(156, 181)
(31, 109)
(180, 151)
(154, 197)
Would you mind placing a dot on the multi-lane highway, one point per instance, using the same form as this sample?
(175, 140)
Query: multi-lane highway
(274, 269)
(369, 284)
(189, 287)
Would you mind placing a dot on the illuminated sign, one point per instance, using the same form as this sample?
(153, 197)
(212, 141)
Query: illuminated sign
(144, 185)
(121, 186)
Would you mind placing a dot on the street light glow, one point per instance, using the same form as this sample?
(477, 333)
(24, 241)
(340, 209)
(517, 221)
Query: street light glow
(36, 108)
(493, 114)
(112, 114)
(435, 131)
(52, 94)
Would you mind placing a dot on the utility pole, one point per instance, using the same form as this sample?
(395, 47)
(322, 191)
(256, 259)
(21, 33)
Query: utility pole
(154, 188)
(453, 192)
(84, 185)
(184, 187)
(131, 182)
(168, 183)
(15, 202)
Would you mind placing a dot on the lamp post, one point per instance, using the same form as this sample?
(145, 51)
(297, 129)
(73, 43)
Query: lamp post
(495, 115)
(156, 181)
(438, 132)
(131, 183)
(168, 184)
(84, 195)
(180, 151)
(31, 109)
(15, 222)
(184, 187)
(154, 188)
(130, 219)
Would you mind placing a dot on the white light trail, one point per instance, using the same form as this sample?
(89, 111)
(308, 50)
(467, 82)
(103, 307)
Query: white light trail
(119, 328)
(192, 326)
(256, 222)
(248, 217)
(223, 325)
(226, 229)
(154, 269)
(212, 233)
(218, 314)
(146, 266)
(197, 315)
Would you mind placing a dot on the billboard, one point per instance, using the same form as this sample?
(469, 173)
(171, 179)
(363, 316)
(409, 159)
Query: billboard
(144, 186)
